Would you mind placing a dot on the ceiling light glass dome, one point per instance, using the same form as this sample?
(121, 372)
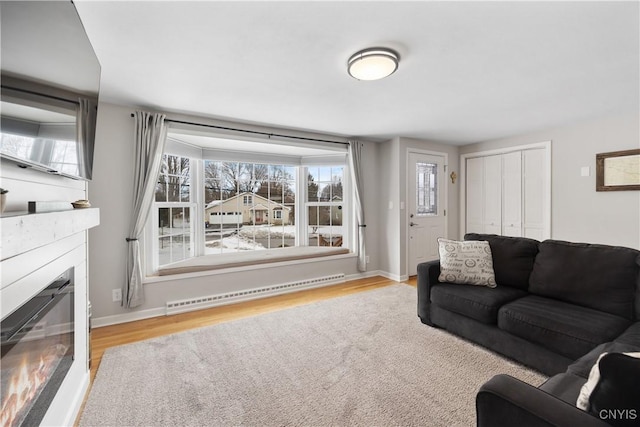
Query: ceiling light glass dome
(373, 63)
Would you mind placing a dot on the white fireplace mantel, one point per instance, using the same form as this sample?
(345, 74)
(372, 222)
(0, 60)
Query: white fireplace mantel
(24, 232)
(36, 249)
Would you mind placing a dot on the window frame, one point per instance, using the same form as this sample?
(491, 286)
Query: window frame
(155, 218)
(198, 156)
(150, 236)
(348, 214)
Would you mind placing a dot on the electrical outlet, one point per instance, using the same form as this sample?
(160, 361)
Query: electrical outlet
(116, 295)
(366, 259)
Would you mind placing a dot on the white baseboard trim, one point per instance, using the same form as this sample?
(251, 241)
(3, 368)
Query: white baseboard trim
(391, 276)
(364, 275)
(98, 322)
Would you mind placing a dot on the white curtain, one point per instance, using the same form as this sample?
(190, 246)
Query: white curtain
(150, 137)
(355, 165)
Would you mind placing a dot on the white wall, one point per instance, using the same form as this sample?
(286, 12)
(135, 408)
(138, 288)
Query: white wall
(578, 212)
(111, 190)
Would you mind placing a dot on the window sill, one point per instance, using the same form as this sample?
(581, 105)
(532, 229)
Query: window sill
(228, 263)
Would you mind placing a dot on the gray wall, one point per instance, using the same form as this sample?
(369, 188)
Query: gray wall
(388, 202)
(111, 190)
(393, 170)
(578, 212)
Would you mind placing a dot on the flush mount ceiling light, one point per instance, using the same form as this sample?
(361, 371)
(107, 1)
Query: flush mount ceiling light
(373, 63)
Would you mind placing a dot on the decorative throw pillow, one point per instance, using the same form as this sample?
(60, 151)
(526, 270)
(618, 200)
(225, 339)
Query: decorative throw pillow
(468, 262)
(616, 397)
(594, 380)
(587, 388)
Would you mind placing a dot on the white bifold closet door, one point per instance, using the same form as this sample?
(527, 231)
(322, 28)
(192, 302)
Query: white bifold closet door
(512, 194)
(534, 184)
(492, 204)
(505, 194)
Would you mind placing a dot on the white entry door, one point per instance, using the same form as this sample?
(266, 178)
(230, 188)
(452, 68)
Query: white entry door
(426, 207)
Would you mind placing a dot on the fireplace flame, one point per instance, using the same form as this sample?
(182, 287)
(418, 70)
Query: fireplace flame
(23, 387)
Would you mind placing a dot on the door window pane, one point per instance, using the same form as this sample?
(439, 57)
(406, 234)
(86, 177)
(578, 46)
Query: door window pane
(426, 189)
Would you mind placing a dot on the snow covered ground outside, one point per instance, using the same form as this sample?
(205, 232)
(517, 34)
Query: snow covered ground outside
(232, 244)
(248, 238)
(264, 231)
(256, 237)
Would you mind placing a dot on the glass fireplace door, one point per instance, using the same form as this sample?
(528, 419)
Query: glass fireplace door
(37, 351)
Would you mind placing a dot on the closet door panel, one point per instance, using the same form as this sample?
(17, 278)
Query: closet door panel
(534, 176)
(512, 194)
(493, 194)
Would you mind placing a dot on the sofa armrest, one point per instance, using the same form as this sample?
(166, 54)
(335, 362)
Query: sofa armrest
(504, 400)
(428, 273)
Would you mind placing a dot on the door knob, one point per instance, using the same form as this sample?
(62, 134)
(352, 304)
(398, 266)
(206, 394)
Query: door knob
(411, 224)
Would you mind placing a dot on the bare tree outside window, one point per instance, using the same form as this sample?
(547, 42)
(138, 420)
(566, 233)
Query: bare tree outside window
(174, 209)
(324, 205)
(248, 206)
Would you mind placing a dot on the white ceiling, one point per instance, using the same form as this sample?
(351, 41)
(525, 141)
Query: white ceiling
(469, 71)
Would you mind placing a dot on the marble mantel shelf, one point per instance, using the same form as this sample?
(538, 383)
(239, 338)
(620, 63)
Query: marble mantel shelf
(22, 233)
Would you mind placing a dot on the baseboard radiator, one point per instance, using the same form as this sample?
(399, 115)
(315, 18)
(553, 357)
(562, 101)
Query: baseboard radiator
(198, 303)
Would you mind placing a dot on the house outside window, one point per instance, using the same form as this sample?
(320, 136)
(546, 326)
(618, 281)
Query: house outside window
(207, 203)
(263, 198)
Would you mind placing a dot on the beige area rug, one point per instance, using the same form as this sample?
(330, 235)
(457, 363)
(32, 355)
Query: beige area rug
(363, 359)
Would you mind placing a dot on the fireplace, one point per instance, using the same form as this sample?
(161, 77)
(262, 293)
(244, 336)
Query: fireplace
(37, 352)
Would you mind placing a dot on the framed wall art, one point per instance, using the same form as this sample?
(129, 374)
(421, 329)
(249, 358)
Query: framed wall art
(618, 171)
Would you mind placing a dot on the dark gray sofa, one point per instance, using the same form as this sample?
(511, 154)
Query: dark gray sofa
(557, 306)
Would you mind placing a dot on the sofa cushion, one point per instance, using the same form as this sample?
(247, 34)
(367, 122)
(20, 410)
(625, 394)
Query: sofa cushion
(631, 336)
(466, 263)
(583, 365)
(595, 276)
(513, 258)
(565, 387)
(477, 302)
(565, 328)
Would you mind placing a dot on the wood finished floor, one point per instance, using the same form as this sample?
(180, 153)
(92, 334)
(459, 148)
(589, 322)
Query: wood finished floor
(126, 333)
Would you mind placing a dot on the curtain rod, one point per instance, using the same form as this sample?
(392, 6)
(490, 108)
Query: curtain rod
(254, 132)
(46, 95)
